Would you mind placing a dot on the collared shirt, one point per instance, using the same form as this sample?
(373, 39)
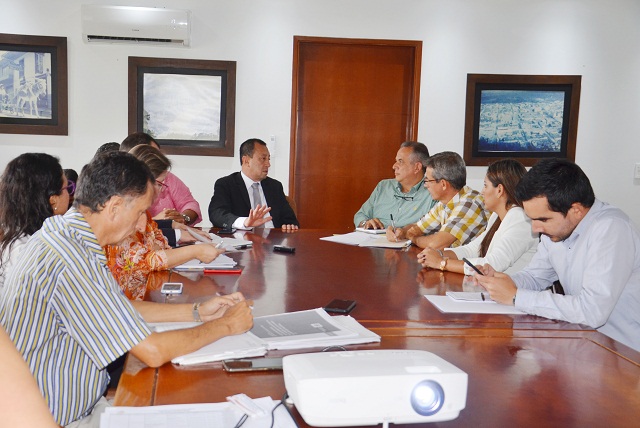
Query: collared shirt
(67, 316)
(176, 195)
(463, 216)
(239, 223)
(598, 266)
(388, 199)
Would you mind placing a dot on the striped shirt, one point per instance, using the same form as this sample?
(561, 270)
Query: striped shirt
(463, 216)
(67, 316)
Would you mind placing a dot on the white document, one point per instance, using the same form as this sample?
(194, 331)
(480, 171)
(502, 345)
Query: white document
(383, 242)
(364, 239)
(373, 231)
(470, 296)
(448, 305)
(292, 330)
(220, 262)
(312, 328)
(202, 415)
(353, 238)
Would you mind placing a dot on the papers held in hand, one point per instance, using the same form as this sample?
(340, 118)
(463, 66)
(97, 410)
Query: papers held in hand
(293, 330)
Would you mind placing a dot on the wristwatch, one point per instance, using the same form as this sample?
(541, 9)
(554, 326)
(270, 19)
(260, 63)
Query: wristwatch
(443, 263)
(186, 218)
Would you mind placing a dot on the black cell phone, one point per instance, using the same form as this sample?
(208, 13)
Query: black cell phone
(251, 365)
(284, 249)
(340, 306)
(472, 266)
(227, 231)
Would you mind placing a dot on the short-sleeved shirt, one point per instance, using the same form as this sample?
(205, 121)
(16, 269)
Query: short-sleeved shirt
(67, 316)
(176, 195)
(463, 216)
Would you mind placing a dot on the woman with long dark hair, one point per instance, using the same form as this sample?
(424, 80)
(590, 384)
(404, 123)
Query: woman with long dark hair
(507, 244)
(33, 187)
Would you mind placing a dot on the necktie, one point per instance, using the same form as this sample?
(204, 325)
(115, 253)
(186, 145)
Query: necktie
(255, 187)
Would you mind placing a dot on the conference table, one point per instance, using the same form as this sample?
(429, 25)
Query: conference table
(523, 370)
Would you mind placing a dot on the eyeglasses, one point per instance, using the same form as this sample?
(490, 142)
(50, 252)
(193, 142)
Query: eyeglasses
(431, 181)
(161, 185)
(404, 197)
(71, 187)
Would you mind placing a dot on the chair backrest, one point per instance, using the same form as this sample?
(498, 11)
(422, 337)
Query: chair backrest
(292, 203)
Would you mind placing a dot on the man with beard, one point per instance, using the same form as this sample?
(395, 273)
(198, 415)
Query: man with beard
(590, 247)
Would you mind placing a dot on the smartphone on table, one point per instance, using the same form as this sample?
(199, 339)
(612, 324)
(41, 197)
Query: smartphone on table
(340, 306)
(252, 364)
(171, 288)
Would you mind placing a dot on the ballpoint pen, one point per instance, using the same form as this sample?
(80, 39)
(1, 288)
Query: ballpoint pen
(393, 226)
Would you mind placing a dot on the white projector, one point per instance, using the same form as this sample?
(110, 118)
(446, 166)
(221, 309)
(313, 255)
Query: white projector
(371, 387)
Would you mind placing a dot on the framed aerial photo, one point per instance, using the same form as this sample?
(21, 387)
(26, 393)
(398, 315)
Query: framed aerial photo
(524, 117)
(187, 106)
(33, 85)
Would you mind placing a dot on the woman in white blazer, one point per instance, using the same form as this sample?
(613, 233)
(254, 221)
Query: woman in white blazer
(507, 244)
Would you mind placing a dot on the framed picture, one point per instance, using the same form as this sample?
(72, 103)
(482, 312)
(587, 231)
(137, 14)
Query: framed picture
(523, 117)
(33, 85)
(187, 106)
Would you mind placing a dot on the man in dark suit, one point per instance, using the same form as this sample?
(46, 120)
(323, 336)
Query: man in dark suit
(249, 198)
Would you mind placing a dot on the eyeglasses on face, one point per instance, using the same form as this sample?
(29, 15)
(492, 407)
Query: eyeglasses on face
(71, 187)
(161, 185)
(432, 181)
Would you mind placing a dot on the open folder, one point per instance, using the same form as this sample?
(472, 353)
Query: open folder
(292, 330)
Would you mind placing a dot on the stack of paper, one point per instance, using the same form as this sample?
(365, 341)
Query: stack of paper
(202, 415)
(364, 239)
(220, 262)
(374, 231)
(293, 330)
(470, 303)
(229, 244)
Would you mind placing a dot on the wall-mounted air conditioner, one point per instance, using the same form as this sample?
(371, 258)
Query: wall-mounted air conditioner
(125, 24)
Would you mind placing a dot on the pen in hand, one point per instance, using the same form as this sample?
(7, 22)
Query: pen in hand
(393, 226)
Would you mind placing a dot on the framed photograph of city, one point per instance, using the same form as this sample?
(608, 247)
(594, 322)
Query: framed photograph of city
(523, 117)
(187, 106)
(33, 85)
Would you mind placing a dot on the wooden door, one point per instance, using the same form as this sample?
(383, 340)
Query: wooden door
(354, 102)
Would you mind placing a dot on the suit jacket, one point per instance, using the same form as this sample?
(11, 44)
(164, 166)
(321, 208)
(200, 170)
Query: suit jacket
(230, 200)
(167, 230)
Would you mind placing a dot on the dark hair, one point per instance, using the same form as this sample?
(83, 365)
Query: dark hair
(153, 158)
(71, 174)
(111, 174)
(419, 153)
(561, 181)
(448, 166)
(108, 147)
(136, 139)
(247, 148)
(507, 172)
(26, 185)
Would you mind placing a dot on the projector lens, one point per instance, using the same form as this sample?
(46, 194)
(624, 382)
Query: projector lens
(427, 398)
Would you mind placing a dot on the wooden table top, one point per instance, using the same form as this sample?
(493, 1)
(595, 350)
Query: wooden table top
(523, 370)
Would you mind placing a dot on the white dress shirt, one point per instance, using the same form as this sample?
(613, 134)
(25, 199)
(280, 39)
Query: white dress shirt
(239, 223)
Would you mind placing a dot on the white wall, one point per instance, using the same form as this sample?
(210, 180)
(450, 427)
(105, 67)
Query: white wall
(596, 39)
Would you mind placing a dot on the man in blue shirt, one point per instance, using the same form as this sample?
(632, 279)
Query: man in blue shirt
(403, 197)
(592, 248)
